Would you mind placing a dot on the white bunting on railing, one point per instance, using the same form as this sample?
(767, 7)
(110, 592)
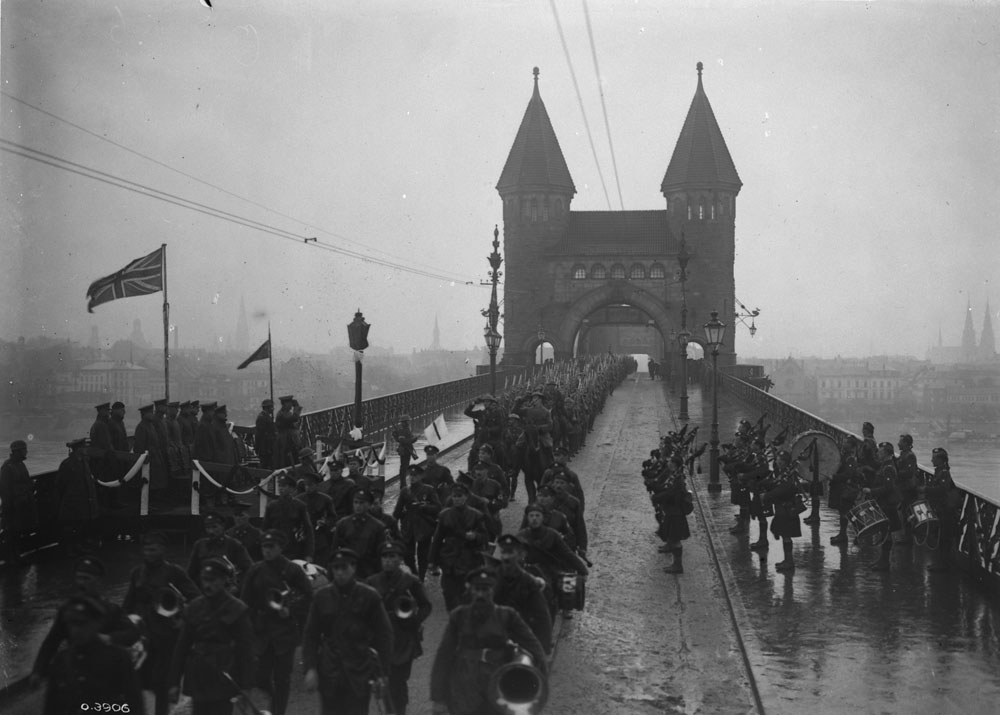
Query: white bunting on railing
(135, 469)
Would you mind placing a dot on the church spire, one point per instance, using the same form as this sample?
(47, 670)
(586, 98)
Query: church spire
(987, 343)
(968, 336)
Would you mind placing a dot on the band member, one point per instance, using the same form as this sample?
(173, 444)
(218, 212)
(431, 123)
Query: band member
(474, 646)
(554, 518)
(289, 515)
(362, 533)
(407, 604)
(269, 590)
(561, 457)
(781, 493)
(341, 489)
(101, 450)
(90, 670)
(346, 622)
(572, 508)
(214, 545)
(535, 443)
(670, 496)
(907, 476)
(146, 438)
(868, 459)
(322, 515)
(522, 591)
(405, 439)
(457, 545)
(245, 532)
(545, 549)
(417, 511)
(487, 458)
(265, 434)
(116, 627)
(490, 491)
(885, 490)
(377, 492)
(214, 651)
(943, 497)
(149, 584)
(845, 486)
(752, 476)
(437, 475)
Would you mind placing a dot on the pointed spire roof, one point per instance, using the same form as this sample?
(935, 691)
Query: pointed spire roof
(535, 160)
(968, 333)
(987, 342)
(701, 158)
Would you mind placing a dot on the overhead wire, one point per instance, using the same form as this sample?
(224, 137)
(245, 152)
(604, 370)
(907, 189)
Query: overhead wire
(579, 98)
(421, 270)
(144, 190)
(604, 106)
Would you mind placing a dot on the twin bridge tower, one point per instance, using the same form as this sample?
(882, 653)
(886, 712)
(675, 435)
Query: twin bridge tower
(577, 277)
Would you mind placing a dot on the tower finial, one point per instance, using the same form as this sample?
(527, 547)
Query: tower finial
(534, 71)
(699, 67)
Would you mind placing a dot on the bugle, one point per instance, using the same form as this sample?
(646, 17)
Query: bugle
(404, 607)
(169, 601)
(518, 687)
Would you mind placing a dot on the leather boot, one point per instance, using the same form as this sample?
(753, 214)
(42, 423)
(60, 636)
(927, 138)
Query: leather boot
(742, 526)
(883, 560)
(761, 543)
(789, 563)
(677, 566)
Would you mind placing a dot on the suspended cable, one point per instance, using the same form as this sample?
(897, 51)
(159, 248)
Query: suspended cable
(195, 178)
(135, 187)
(604, 108)
(579, 98)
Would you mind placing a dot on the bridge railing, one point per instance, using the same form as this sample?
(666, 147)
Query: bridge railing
(978, 545)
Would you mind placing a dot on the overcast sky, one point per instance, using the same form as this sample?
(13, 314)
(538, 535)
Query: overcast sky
(866, 136)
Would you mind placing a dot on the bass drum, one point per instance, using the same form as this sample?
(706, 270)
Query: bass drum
(815, 450)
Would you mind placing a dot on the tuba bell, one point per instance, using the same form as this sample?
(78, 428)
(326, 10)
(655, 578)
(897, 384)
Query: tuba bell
(169, 601)
(518, 687)
(404, 607)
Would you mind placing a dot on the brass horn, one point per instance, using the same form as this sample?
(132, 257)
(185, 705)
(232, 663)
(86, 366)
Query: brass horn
(276, 597)
(169, 602)
(403, 606)
(518, 687)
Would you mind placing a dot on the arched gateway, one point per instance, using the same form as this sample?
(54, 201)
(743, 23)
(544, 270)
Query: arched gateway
(594, 280)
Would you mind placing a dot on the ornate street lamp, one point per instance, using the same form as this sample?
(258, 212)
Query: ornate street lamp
(715, 330)
(493, 339)
(357, 337)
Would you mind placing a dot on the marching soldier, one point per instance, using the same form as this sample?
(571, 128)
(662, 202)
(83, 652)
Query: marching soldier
(513, 432)
(214, 651)
(522, 591)
(265, 433)
(545, 548)
(458, 543)
(377, 491)
(341, 489)
(77, 498)
(270, 590)
(245, 532)
(291, 516)
(362, 533)
(407, 605)
(437, 475)
(560, 456)
(90, 670)
(405, 439)
(321, 514)
(487, 456)
(474, 646)
(417, 510)
(217, 545)
(149, 585)
(347, 642)
(488, 426)
(554, 518)
(116, 627)
(573, 509)
(491, 492)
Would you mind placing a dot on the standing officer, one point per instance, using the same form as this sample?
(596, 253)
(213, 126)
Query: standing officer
(347, 641)
(265, 434)
(77, 498)
(245, 532)
(458, 543)
(522, 591)
(405, 439)
(362, 533)
(474, 646)
(407, 604)
(417, 510)
(286, 441)
(271, 590)
(289, 515)
(101, 457)
(216, 641)
(90, 670)
(217, 545)
(148, 586)
(147, 439)
(119, 434)
(944, 498)
(203, 448)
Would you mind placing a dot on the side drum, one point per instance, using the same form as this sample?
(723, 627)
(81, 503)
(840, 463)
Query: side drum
(572, 590)
(869, 522)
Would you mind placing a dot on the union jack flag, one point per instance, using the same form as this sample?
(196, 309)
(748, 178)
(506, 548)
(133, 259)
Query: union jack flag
(140, 277)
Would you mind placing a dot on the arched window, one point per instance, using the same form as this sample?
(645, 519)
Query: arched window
(689, 212)
(701, 211)
(636, 272)
(657, 271)
(545, 209)
(713, 212)
(599, 272)
(618, 272)
(534, 210)
(579, 272)
(557, 208)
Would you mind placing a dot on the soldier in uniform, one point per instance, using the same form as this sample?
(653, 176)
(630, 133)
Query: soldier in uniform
(487, 456)
(474, 645)
(188, 421)
(203, 448)
(944, 499)
(545, 548)
(781, 493)
(77, 498)
(554, 518)
(573, 509)
(908, 476)
(291, 516)
(322, 515)
(214, 651)
(405, 439)
(515, 427)
(845, 486)
(346, 623)
(437, 475)
(147, 586)
(147, 439)
(560, 456)
(407, 605)
(116, 628)
(265, 434)
(216, 545)
(362, 533)
(884, 489)
(341, 490)
(268, 592)
(180, 472)
(522, 591)
(458, 544)
(534, 446)
(90, 670)
(488, 426)
(119, 434)
(377, 490)
(491, 492)
(417, 510)
(245, 532)
(286, 443)
(101, 448)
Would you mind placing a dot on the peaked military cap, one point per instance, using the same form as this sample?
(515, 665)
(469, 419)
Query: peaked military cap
(510, 541)
(431, 449)
(78, 443)
(220, 408)
(546, 489)
(404, 418)
(560, 450)
(415, 469)
(313, 477)
(146, 408)
(459, 488)
(307, 452)
(274, 536)
(160, 402)
(185, 404)
(363, 494)
(286, 398)
(91, 565)
(267, 403)
(481, 577)
(535, 506)
(216, 566)
(154, 537)
(344, 556)
(213, 517)
(118, 405)
(208, 406)
(18, 444)
(195, 404)
(939, 452)
(287, 480)
(391, 547)
(103, 406)
(173, 404)
(463, 478)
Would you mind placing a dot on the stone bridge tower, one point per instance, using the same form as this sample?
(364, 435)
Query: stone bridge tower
(575, 272)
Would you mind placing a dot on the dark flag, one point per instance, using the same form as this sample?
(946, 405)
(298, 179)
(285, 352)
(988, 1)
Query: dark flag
(261, 353)
(140, 277)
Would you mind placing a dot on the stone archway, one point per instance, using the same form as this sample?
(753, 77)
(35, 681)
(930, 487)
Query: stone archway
(610, 294)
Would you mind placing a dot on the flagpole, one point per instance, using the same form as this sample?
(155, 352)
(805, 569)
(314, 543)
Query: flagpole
(166, 328)
(270, 359)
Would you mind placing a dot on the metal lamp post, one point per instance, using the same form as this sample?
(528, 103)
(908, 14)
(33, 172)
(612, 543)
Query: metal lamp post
(492, 344)
(357, 337)
(714, 332)
(683, 335)
(491, 334)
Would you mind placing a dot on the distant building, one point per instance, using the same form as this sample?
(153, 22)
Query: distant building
(792, 383)
(971, 351)
(846, 384)
(117, 380)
